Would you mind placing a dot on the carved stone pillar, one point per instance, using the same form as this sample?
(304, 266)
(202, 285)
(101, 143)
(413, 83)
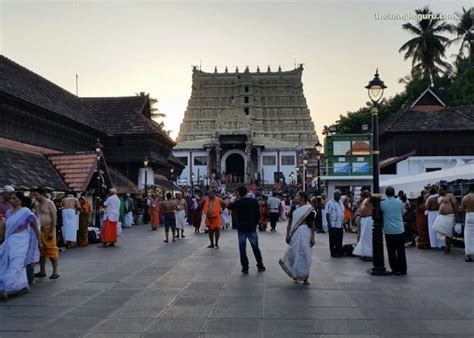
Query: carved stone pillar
(248, 152)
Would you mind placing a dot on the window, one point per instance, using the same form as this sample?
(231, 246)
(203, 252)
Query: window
(287, 160)
(246, 89)
(429, 170)
(247, 111)
(183, 159)
(200, 160)
(246, 99)
(269, 160)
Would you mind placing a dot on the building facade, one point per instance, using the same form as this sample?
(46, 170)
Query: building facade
(244, 126)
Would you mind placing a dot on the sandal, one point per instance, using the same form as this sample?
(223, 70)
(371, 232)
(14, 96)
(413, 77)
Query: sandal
(54, 276)
(40, 275)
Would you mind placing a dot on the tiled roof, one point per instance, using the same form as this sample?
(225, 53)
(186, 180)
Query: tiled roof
(27, 169)
(122, 115)
(21, 83)
(27, 148)
(446, 119)
(121, 182)
(76, 169)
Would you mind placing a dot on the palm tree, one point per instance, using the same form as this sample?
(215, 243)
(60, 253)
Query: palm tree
(154, 112)
(465, 33)
(427, 49)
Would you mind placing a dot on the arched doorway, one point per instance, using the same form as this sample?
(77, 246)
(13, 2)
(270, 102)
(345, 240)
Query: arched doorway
(235, 166)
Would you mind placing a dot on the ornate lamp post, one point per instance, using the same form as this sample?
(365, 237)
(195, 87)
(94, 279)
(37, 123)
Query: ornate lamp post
(98, 152)
(192, 184)
(375, 89)
(172, 181)
(319, 216)
(145, 165)
(297, 176)
(305, 163)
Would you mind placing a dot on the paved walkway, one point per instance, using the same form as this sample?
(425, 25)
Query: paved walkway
(146, 288)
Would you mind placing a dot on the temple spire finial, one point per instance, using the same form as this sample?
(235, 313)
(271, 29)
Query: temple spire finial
(279, 68)
(258, 69)
(247, 69)
(226, 70)
(236, 69)
(268, 69)
(215, 69)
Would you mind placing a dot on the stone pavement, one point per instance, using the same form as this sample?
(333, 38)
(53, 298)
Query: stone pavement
(146, 288)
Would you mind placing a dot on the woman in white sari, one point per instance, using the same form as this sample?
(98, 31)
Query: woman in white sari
(19, 248)
(300, 236)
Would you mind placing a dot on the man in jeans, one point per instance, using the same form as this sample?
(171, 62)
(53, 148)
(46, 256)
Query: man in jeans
(248, 215)
(394, 229)
(273, 211)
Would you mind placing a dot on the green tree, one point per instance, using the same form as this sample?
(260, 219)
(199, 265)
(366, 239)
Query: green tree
(464, 34)
(427, 49)
(154, 112)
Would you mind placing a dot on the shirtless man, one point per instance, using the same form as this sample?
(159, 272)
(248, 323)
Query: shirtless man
(467, 206)
(447, 207)
(432, 207)
(169, 208)
(46, 210)
(181, 210)
(70, 206)
(364, 247)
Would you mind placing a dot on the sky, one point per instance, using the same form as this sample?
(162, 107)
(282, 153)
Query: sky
(119, 48)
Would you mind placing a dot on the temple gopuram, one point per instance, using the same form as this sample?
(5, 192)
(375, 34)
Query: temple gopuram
(244, 125)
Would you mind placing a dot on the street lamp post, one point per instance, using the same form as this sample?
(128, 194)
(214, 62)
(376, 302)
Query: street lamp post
(98, 152)
(145, 165)
(192, 184)
(305, 163)
(297, 176)
(292, 175)
(375, 90)
(172, 181)
(319, 215)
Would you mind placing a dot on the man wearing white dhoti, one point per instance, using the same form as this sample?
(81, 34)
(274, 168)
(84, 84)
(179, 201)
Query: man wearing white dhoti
(468, 207)
(180, 214)
(300, 236)
(447, 215)
(432, 208)
(70, 206)
(364, 246)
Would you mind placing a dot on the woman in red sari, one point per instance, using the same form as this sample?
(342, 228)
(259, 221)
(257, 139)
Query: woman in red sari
(422, 225)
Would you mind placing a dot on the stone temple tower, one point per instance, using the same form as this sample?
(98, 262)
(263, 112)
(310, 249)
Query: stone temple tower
(274, 103)
(244, 126)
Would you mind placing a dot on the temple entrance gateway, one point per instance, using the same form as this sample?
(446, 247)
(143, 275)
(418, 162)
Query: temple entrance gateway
(235, 165)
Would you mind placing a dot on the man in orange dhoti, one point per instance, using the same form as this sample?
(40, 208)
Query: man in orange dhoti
(212, 208)
(154, 212)
(111, 217)
(46, 210)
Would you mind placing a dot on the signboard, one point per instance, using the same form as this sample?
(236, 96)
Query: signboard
(348, 155)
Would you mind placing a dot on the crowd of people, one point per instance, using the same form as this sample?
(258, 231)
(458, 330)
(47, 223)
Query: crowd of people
(34, 227)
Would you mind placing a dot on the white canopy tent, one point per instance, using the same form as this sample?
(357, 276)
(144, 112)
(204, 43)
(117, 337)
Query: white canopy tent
(412, 185)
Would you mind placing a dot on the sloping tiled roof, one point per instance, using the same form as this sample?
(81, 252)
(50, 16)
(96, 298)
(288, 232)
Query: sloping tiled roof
(446, 119)
(27, 148)
(121, 182)
(21, 83)
(396, 159)
(27, 169)
(122, 115)
(76, 169)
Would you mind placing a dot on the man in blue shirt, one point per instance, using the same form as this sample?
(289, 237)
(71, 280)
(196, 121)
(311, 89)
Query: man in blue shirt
(393, 211)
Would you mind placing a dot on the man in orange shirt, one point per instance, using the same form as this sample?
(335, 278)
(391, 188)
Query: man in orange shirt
(212, 208)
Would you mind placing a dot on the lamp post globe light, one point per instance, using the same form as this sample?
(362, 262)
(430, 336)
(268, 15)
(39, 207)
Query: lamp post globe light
(98, 152)
(319, 216)
(375, 90)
